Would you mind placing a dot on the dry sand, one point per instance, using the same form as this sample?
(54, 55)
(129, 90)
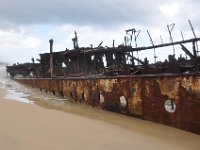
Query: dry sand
(31, 127)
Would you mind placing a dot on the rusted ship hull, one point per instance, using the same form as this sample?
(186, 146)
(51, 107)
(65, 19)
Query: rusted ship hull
(117, 79)
(141, 96)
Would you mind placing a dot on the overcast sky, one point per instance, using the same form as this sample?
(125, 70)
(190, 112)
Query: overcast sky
(27, 25)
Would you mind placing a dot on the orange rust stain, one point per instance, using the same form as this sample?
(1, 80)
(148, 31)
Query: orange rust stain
(79, 90)
(135, 102)
(107, 84)
(192, 85)
(170, 87)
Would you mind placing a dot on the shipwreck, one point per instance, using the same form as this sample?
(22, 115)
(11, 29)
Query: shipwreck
(113, 78)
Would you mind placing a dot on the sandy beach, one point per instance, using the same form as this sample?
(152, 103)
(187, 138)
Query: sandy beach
(32, 127)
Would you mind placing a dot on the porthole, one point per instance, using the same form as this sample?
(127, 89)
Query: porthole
(123, 101)
(170, 106)
(101, 98)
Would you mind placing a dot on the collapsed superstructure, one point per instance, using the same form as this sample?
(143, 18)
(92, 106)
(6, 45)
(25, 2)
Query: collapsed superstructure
(107, 61)
(113, 78)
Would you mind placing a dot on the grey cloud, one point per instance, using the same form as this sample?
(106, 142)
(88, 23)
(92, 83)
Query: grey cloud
(80, 12)
(103, 13)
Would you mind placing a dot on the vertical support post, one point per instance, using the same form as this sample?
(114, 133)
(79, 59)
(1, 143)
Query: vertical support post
(195, 53)
(85, 62)
(154, 50)
(125, 41)
(132, 32)
(194, 49)
(194, 36)
(170, 28)
(75, 41)
(113, 43)
(51, 58)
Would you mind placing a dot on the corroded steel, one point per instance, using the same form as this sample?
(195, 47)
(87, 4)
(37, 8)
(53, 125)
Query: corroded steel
(108, 61)
(113, 78)
(143, 97)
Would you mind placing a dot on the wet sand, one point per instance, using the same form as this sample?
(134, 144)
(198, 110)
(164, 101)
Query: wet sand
(32, 127)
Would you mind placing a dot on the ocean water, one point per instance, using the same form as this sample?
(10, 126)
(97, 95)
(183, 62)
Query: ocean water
(23, 93)
(14, 89)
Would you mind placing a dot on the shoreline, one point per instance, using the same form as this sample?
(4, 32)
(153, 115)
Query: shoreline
(32, 126)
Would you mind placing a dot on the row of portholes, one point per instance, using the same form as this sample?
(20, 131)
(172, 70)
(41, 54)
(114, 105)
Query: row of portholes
(170, 105)
(123, 101)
